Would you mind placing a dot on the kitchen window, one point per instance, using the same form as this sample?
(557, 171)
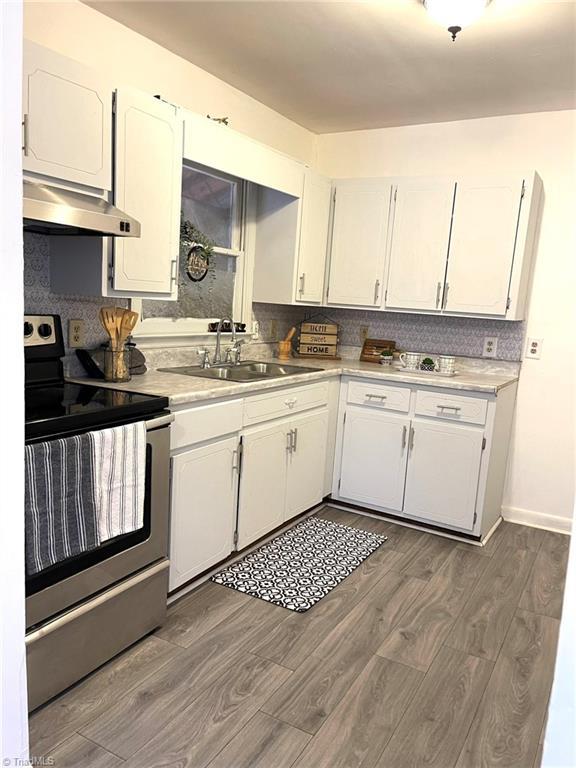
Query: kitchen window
(213, 207)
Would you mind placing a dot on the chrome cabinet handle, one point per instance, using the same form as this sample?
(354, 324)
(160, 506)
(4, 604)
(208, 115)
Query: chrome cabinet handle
(438, 291)
(411, 440)
(295, 440)
(289, 446)
(404, 435)
(376, 291)
(445, 301)
(173, 272)
(455, 408)
(25, 135)
(302, 281)
(235, 461)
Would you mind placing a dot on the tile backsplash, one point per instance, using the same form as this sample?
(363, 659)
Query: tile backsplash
(39, 299)
(461, 336)
(426, 333)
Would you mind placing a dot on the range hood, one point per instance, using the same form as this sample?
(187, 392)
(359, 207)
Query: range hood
(53, 211)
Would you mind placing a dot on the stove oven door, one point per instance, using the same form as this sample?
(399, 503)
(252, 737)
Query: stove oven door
(73, 581)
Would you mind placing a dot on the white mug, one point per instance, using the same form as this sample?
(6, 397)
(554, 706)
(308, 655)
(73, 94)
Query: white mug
(410, 360)
(446, 364)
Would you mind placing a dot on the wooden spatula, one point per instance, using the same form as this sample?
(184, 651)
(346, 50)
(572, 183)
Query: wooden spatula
(108, 320)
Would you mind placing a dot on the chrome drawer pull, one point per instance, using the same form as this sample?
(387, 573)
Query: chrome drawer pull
(291, 402)
(404, 431)
(369, 396)
(454, 408)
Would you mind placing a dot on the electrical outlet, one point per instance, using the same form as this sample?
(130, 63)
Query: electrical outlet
(76, 336)
(274, 329)
(490, 346)
(534, 348)
(255, 330)
(363, 333)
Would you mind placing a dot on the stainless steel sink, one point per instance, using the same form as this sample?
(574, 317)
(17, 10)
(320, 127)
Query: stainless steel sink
(250, 370)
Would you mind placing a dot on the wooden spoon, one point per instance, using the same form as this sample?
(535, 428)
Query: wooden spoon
(129, 320)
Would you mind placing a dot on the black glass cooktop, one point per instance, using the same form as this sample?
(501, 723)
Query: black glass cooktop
(65, 408)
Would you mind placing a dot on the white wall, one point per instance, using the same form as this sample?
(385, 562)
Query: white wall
(13, 700)
(541, 468)
(86, 35)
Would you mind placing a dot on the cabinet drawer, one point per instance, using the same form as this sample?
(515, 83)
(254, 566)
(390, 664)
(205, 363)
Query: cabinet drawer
(453, 407)
(379, 396)
(194, 425)
(284, 402)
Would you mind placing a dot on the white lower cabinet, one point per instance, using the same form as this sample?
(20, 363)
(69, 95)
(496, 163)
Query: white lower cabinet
(282, 472)
(374, 452)
(204, 493)
(305, 486)
(441, 460)
(263, 486)
(443, 472)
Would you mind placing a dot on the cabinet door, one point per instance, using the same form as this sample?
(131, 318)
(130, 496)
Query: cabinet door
(306, 462)
(316, 203)
(148, 187)
(359, 244)
(482, 246)
(263, 482)
(443, 471)
(203, 509)
(422, 213)
(374, 451)
(67, 120)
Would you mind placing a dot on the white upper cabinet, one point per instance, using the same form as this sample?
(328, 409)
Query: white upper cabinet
(316, 203)
(67, 120)
(483, 245)
(359, 242)
(419, 239)
(148, 184)
(291, 239)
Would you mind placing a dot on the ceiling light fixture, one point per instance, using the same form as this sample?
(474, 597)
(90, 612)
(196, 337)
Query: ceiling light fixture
(455, 14)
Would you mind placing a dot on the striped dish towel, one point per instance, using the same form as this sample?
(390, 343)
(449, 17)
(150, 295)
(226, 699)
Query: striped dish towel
(120, 470)
(60, 501)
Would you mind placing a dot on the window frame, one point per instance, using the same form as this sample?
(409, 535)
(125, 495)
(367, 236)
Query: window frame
(181, 330)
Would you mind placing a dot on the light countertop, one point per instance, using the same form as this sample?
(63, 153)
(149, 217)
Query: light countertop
(181, 389)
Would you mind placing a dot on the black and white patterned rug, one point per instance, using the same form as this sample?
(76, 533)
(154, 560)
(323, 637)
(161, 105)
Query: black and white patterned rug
(302, 565)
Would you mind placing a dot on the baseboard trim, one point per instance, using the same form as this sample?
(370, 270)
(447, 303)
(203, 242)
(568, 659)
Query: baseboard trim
(537, 519)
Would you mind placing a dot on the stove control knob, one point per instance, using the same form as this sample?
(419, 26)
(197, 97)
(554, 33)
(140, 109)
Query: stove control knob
(28, 329)
(45, 330)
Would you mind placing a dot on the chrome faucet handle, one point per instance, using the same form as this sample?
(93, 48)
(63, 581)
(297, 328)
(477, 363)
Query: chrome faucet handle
(233, 353)
(204, 355)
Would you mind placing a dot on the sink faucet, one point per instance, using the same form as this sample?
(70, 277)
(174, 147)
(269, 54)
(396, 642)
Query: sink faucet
(217, 353)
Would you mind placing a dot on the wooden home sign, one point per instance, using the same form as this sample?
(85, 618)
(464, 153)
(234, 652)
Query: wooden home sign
(318, 339)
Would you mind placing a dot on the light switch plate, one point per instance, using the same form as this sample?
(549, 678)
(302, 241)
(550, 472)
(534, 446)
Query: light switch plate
(490, 348)
(533, 348)
(363, 333)
(76, 335)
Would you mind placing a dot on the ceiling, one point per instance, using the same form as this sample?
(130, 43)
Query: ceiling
(340, 66)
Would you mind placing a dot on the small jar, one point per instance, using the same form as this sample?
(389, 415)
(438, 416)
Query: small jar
(117, 364)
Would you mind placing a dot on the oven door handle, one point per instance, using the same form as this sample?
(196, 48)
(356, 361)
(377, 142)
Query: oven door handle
(161, 421)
